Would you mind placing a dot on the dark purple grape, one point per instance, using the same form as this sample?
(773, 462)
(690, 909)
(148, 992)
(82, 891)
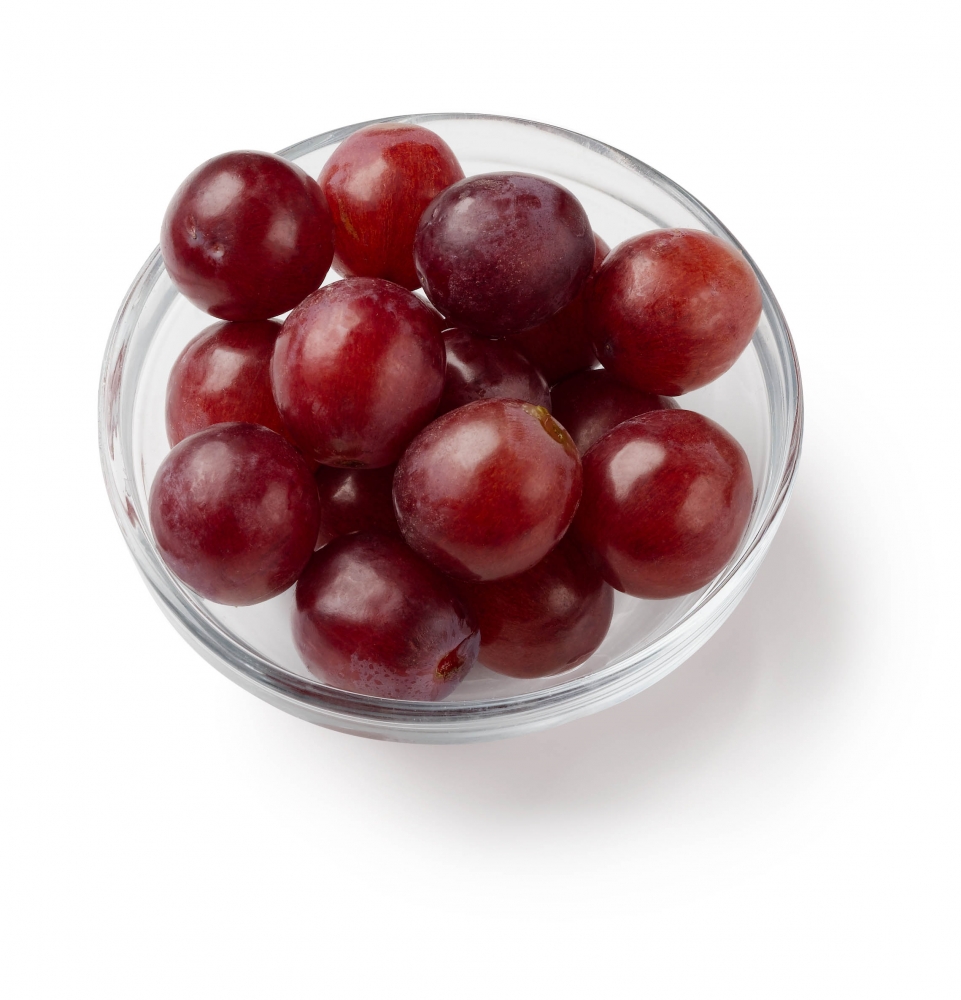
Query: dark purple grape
(499, 253)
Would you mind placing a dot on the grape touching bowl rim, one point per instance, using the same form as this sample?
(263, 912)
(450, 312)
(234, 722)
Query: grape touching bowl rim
(762, 397)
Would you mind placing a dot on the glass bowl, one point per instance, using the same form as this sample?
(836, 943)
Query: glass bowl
(758, 401)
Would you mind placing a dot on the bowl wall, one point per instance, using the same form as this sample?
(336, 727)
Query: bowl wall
(758, 401)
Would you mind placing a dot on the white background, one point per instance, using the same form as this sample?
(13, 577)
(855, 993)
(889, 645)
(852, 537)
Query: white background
(778, 818)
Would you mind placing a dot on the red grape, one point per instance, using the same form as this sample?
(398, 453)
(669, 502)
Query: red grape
(487, 490)
(357, 371)
(234, 511)
(247, 236)
(354, 500)
(480, 368)
(667, 496)
(374, 618)
(561, 345)
(673, 309)
(546, 620)
(591, 403)
(378, 182)
(223, 376)
(499, 253)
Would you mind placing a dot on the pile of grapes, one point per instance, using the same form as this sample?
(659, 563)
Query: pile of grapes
(450, 476)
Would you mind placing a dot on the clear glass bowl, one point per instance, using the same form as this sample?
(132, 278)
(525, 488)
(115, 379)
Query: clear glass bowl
(758, 401)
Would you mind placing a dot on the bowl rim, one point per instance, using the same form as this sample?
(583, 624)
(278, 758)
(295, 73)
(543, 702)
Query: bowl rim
(443, 721)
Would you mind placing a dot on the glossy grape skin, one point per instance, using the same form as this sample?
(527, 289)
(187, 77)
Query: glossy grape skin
(247, 236)
(667, 496)
(354, 500)
(561, 345)
(501, 252)
(591, 403)
(544, 621)
(673, 309)
(481, 368)
(377, 183)
(234, 512)
(223, 376)
(358, 370)
(374, 618)
(487, 490)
